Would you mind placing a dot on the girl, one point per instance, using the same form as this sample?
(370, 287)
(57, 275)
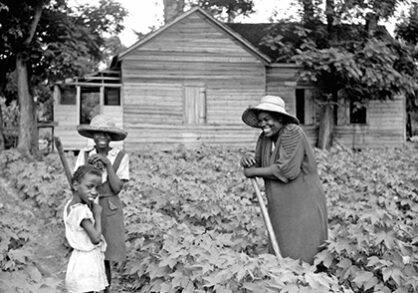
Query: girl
(83, 230)
(115, 166)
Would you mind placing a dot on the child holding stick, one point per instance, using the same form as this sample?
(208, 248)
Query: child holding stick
(83, 230)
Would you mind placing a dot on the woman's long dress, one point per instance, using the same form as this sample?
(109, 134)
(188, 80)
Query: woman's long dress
(296, 201)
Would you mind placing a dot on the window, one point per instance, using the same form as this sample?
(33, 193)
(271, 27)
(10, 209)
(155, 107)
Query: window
(90, 104)
(112, 97)
(300, 105)
(358, 113)
(68, 96)
(305, 108)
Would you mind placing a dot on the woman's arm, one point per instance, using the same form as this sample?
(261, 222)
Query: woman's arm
(264, 172)
(289, 164)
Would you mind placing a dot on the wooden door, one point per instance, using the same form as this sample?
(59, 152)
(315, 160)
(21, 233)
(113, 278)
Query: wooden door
(194, 105)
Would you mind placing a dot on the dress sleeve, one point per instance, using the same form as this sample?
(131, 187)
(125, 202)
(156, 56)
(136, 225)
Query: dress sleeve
(291, 152)
(77, 215)
(123, 170)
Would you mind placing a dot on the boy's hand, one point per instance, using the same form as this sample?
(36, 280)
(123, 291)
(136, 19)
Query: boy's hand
(99, 161)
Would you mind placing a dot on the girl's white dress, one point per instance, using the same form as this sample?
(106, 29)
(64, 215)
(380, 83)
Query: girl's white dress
(85, 270)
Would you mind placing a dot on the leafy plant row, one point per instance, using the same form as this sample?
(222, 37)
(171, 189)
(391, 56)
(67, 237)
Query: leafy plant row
(193, 223)
(372, 198)
(29, 190)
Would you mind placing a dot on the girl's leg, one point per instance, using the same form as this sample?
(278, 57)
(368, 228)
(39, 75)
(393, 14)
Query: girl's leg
(108, 275)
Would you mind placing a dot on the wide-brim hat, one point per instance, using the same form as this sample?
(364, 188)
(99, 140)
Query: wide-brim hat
(102, 123)
(268, 103)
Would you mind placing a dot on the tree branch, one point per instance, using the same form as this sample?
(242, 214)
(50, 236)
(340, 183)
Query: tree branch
(34, 24)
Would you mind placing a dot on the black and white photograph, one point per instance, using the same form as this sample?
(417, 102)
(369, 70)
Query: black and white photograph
(209, 146)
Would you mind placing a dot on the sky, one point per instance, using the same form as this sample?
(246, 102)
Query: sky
(144, 14)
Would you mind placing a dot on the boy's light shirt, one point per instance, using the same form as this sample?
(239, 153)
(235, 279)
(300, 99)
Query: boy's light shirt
(123, 170)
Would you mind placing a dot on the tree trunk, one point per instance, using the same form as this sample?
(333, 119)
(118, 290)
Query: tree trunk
(28, 130)
(326, 126)
(2, 143)
(308, 11)
(329, 12)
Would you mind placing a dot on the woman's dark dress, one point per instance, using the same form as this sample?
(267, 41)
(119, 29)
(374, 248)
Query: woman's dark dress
(296, 201)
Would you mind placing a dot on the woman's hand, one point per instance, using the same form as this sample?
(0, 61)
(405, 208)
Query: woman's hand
(250, 172)
(247, 160)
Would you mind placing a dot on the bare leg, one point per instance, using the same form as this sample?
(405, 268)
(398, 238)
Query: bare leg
(108, 275)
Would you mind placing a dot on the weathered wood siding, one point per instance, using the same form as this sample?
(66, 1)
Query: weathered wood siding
(385, 127)
(192, 56)
(281, 81)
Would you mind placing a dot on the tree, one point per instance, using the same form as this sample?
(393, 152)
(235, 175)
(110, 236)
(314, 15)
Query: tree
(407, 32)
(343, 59)
(112, 47)
(45, 40)
(224, 10)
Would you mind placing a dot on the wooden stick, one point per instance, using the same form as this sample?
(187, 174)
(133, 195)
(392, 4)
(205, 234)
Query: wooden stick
(64, 162)
(267, 221)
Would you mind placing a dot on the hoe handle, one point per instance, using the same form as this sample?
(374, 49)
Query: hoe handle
(267, 220)
(64, 162)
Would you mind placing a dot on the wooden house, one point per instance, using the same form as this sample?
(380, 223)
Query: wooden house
(190, 81)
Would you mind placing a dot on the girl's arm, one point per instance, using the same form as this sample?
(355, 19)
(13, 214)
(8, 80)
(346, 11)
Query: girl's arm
(94, 231)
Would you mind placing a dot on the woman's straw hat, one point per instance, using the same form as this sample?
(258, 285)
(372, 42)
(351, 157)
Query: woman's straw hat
(268, 103)
(102, 123)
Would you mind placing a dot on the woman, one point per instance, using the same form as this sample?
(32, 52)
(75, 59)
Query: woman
(285, 160)
(115, 166)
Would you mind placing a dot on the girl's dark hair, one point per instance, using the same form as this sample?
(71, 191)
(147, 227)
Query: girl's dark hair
(83, 170)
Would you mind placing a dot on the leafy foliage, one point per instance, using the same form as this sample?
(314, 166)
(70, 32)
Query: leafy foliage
(18, 215)
(40, 182)
(359, 71)
(373, 197)
(44, 41)
(193, 223)
(10, 113)
(193, 226)
(226, 10)
(68, 41)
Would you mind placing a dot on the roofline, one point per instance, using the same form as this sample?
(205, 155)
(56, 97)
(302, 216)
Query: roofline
(284, 65)
(265, 59)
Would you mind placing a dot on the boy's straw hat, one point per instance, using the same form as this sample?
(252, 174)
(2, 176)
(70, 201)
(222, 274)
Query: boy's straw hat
(268, 103)
(102, 123)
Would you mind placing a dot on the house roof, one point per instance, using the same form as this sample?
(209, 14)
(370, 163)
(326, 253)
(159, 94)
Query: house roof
(230, 32)
(252, 36)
